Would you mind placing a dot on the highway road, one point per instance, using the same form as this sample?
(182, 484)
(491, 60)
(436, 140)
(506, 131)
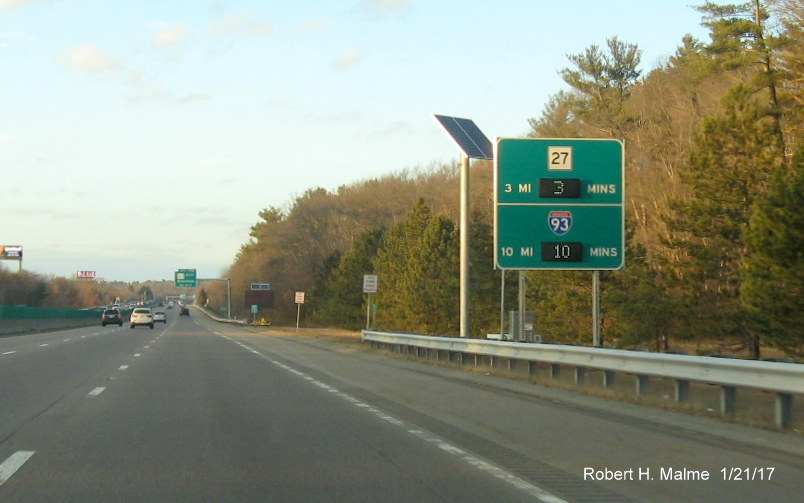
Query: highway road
(198, 411)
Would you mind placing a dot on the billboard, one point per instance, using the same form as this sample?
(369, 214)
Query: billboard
(10, 252)
(85, 274)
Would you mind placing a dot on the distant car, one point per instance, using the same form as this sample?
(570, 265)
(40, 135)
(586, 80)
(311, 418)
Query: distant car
(160, 316)
(184, 311)
(112, 316)
(141, 316)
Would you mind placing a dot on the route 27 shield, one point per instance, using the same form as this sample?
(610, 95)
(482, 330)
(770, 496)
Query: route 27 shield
(559, 222)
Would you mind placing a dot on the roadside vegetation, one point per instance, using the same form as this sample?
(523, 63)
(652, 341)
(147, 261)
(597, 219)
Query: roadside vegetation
(34, 290)
(715, 209)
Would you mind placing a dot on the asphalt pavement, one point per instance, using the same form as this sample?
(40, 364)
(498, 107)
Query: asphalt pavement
(199, 411)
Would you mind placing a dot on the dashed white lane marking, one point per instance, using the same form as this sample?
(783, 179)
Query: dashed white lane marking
(430, 438)
(137, 355)
(66, 340)
(43, 345)
(97, 391)
(9, 352)
(14, 462)
(123, 367)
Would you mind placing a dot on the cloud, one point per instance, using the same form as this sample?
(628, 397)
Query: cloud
(348, 59)
(11, 4)
(150, 93)
(88, 58)
(241, 25)
(345, 116)
(392, 129)
(172, 36)
(384, 7)
(315, 24)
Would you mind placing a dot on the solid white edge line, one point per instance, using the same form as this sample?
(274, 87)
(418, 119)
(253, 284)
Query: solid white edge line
(477, 462)
(14, 462)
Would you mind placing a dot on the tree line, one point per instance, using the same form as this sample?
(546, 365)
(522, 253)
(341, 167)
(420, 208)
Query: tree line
(714, 165)
(35, 290)
(714, 194)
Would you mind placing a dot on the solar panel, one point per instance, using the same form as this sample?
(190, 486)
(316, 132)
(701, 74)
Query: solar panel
(467, 136)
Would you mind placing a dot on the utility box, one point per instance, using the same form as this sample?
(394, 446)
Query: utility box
(526, 335)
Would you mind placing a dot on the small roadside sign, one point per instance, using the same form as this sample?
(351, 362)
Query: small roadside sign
(299, 297)
(369, 283)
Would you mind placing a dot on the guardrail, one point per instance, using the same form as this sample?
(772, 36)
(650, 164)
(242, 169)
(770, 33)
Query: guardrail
(219, 320)
(782, 379)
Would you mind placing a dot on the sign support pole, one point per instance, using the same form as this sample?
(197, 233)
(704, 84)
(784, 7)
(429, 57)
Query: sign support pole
(520, 335)
(465, 304)
(228, 298)
(472, 143)
(368, 311)
(596, 308)
(502, 304)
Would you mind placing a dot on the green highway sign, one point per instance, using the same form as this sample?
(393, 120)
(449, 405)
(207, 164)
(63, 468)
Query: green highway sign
(185, 278)
(559, 204)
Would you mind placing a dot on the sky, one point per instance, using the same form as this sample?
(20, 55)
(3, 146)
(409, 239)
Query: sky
(139, 137)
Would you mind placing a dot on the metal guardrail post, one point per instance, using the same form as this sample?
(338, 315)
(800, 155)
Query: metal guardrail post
(580, 375)
(608, 379)
(642, 383)
(728, 400)
(682, 390)
(783, 412)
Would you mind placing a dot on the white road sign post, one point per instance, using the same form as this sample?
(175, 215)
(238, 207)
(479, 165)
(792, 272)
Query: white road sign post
(370, 282)
(299, 302)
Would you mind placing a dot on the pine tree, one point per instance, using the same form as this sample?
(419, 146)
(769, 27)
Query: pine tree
(728, 169)
(417, 266)
(339, 300)
(773, 271)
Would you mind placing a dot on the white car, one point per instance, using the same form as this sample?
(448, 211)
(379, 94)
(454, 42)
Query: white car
(141, 316)
(160, 316)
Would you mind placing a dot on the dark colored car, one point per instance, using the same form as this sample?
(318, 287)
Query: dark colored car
(112, 316)
(184, 311)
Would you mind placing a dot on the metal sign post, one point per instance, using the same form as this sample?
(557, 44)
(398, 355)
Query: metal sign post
(370, 282)
(299, 302)
(473, 144)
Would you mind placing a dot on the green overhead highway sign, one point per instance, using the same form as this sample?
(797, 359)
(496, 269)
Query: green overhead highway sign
(559, 204)
(185, 278)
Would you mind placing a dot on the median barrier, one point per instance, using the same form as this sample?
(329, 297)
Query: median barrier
(15, 320)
